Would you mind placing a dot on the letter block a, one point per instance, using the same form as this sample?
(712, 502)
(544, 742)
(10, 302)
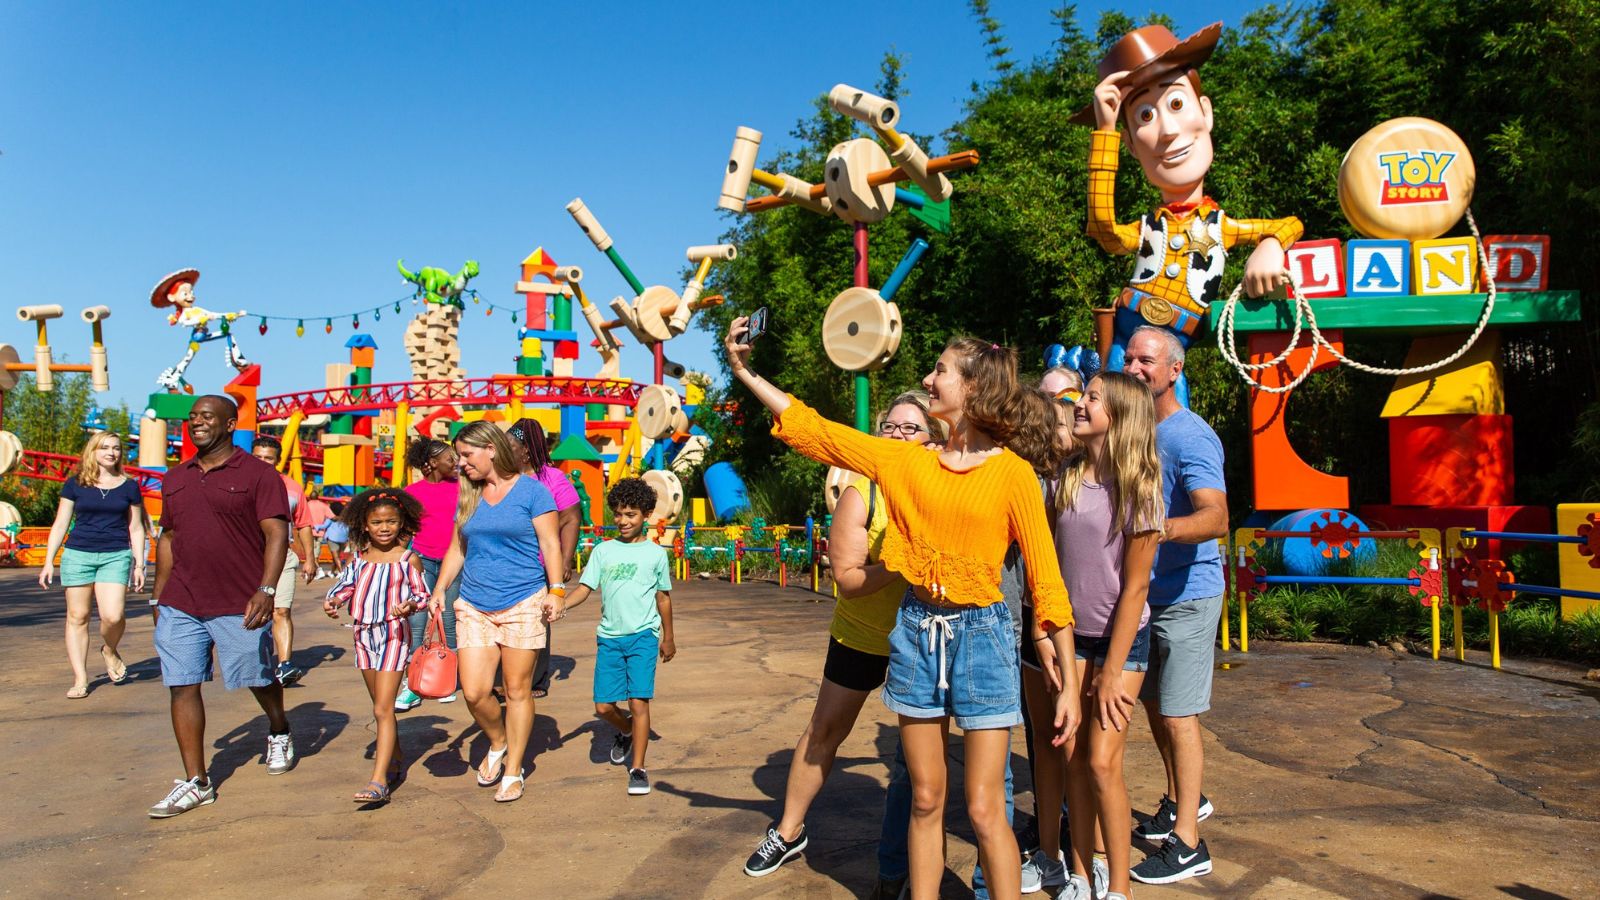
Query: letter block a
(1377, 268)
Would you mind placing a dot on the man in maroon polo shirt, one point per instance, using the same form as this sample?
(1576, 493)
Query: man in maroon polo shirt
(224, 539)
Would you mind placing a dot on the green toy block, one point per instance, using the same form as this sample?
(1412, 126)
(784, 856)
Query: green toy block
(170, 406)
(574, 449)
(530, 365)
(594, 412)
(1411, 314)
(342, 425)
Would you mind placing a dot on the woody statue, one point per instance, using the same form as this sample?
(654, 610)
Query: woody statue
(1150, 82)
(177, 291)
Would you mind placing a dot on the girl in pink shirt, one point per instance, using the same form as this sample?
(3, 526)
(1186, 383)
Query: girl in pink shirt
(533, 456)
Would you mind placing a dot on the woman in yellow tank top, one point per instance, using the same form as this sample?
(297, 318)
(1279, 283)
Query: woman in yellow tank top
(858, 638)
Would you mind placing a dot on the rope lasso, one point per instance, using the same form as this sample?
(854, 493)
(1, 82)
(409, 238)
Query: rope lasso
(1303, 313)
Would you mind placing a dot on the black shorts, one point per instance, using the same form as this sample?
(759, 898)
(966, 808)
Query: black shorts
(853, 669)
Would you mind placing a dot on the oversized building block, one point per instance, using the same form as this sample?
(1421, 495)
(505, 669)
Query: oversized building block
(566, 349)
(1519, 262)
(338, 375)
(1377, 268)
(347, 440)
(1450, 461)
(1577, 571)
(1445, 265)
(365, 467)
(1282, 479)
(363, 356)
(1318, 267)
(1469, 386)
(562, 368)
(339, 465)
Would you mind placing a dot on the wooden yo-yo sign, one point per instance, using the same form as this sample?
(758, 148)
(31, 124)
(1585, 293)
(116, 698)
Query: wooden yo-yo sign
(1408, 178)
(854, 200)
(658, 407)
(669, 495)
(838, 479)
(860, 331)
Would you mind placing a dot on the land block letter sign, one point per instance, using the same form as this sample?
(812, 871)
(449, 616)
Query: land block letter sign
(1519, 262)
(1377, 268)
(1318, 267)
(1445, 265)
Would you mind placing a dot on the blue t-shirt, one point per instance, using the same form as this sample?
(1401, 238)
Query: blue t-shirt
(627, 575)
(1191, 460)
(100, 518)
(502, 567)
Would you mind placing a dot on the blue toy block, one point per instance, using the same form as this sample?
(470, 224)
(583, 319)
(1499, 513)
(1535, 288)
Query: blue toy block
(546, 334)
(1377, 268)
(243, 439)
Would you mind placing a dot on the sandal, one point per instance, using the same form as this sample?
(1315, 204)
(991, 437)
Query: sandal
(539, 693)
(496, 762)
(374, 792)
(78, 692)
(116, 669)
(500, 797)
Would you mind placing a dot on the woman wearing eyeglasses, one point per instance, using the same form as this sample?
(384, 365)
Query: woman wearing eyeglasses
(438, 494)
(858, 639)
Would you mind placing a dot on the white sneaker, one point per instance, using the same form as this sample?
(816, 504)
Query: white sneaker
(280, 753)
(184, 796)
(448, 698)
(1077, 889)
(1053, 872)
(1102, 879)
(1032, 882)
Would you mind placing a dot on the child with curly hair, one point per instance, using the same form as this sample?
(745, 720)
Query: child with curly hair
(635, 587)
(382, 585)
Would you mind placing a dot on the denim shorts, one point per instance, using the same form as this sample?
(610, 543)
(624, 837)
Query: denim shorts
(184, 643)
(957, 662)
(1097, 648)
(81, 567)
(625, 667)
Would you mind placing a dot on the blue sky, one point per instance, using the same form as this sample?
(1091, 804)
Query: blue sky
(293, 151)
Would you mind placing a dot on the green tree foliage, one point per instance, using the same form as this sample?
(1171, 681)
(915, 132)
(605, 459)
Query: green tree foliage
(1292, 87)
(50, 422)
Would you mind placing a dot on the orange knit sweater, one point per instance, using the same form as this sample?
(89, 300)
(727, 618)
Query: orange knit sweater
(948, 530)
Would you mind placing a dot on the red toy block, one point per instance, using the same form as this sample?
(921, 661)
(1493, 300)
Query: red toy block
(1520, 262)
(1318, 267)
(1458, 460)
(1282, 479)
(566, 349)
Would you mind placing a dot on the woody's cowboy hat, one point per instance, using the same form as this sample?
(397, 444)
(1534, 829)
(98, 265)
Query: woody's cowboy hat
(158, 294)
(1150, 52)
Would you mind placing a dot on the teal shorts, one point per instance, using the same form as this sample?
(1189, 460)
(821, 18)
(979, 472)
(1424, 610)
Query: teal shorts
(81, 567)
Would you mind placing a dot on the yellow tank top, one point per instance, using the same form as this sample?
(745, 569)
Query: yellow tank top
(864, 623)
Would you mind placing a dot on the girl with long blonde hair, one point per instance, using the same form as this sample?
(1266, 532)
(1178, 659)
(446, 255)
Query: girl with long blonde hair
(106, 512)
(508, 553)
(1108, 520)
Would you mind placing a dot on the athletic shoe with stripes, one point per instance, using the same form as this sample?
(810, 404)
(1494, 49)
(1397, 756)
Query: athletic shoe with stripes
(1175, 861)
(774, 852)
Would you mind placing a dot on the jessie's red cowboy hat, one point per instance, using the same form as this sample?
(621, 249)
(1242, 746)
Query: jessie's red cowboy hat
(158, 294)
(1148, 53)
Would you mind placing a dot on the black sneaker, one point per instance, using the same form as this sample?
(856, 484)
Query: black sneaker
(639, 783)
(621, 748)
(288, 673)
(774, 852)
(1160, 824)
(1175, 861)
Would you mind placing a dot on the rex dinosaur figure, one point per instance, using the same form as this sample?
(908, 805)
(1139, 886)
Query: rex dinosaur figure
(438, 285)
(431, 337)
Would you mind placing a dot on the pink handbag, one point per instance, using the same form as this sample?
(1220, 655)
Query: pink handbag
(432, 672)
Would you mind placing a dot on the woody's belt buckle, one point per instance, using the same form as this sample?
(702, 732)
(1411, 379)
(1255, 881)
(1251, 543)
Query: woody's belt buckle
(1157, 311)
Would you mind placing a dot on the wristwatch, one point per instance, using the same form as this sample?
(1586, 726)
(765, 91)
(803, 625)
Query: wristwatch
(269, 590)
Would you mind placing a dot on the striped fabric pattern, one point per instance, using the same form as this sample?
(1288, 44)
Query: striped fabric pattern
(371, 590)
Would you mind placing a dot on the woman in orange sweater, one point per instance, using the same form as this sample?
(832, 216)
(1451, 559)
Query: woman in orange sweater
(953, 512)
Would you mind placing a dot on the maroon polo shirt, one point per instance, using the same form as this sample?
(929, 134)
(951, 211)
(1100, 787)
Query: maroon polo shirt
(215, 521)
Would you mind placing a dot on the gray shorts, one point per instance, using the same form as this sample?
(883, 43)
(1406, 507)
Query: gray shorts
(1183, 646)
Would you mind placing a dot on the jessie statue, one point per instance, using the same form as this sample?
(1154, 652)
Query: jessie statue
(177, 291)
(1150, 83)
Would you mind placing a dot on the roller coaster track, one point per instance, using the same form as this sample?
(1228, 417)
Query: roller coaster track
(496, 390)
(59, 467)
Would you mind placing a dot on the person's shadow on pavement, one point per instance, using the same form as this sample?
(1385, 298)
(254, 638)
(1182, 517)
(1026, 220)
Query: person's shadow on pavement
(312, 724)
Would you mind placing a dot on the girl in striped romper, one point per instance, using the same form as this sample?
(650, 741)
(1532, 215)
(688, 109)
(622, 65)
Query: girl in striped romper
(382, 585)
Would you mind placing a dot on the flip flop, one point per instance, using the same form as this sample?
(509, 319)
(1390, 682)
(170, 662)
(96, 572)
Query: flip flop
(498, 798)
(78, 692)
(374, 792)
(496, 761)
(116, 669)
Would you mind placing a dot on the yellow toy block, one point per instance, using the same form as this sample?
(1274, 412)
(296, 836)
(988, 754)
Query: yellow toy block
(1576, 574)
(1445, 266)
(338, 375)
(1469, 386)
(339, 465)
(700, 514)
(548, 419)
(530, 347)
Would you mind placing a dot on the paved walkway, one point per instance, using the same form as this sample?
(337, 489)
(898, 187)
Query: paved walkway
(1337, 772)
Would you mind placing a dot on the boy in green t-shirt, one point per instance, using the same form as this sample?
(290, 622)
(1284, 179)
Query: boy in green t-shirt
(634, 582)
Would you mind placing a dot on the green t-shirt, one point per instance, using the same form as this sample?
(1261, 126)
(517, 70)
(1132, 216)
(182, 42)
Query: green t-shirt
(627, 577)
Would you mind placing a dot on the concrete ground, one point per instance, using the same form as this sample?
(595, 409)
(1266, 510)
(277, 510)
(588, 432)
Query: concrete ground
(1336, 771)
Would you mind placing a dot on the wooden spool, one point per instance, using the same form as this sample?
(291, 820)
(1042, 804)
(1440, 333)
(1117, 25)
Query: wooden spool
(10, 452)
(8, 378)
(10, 516)
(669, 495)
(658, 408)
(680, 421)
(838, 479)
(854, 200)
(653, 308)
(861, 332)
(1432, 190)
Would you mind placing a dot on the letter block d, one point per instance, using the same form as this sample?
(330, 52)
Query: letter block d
(1519, 262)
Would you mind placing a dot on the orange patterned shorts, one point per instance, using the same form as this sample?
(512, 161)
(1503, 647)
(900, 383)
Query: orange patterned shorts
(520, 627)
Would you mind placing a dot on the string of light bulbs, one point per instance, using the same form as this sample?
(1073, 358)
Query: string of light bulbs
(262, 319)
